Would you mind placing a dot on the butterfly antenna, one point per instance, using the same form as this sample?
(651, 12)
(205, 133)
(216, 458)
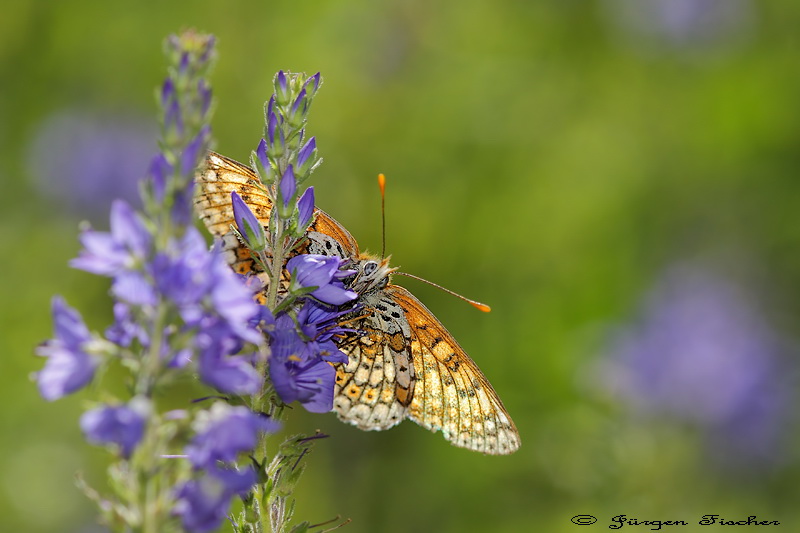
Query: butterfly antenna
(477, 305)
(382, 185)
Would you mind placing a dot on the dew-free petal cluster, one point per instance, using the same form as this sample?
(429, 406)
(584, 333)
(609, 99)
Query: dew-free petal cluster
(323, 273)
(121, 425)
(69, 366)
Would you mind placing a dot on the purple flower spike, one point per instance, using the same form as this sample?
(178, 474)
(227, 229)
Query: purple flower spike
(69, 367)
(247, 223)
(288, 186)
(202, 504)
(227, 432)
(320, 271)
(122, 425)
(305, 208)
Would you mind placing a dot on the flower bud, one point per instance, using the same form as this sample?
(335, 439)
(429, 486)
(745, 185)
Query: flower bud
(248, 225)
(282, 93)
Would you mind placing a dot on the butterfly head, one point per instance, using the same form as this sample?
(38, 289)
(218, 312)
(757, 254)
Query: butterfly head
(371, 274)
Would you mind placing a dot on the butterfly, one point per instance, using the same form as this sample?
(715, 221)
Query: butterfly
(402, 362)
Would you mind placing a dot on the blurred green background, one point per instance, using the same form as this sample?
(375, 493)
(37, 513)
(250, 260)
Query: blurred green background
(617, 178)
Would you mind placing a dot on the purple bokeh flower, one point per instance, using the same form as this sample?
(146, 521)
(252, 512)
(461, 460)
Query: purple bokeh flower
(203, 503)
(121, 425)
(322, 272)
(83, 160)
(69, 366)
(201, 284)
(702, 353)
(225, 433)
(218, 367)
(125, 328)
(122, 249)
(682, 24)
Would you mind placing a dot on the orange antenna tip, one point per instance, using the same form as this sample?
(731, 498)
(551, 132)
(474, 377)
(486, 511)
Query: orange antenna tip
(481, 307)
(382, 183)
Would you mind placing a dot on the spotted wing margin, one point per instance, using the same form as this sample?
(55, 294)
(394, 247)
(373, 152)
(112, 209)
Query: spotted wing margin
(374, 388)
(223, 175)
(451, 394)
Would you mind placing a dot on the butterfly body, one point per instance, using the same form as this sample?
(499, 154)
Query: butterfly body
(402, 362)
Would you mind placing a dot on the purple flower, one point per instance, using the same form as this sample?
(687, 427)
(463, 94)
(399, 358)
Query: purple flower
(282, 88)
(121, 425)
(201, 284)
(203, 503)
(249, 227)
(305, 154)
(109, 254)
(261, 154)
(305, 209)
(275, 135)
(195, 151)
(701, 353)
(167, 92)
(232, 374)
(83, 161)
(322, 272)
(225, 433)
(69, 366)
(204, 90)
(319, 323)
(297, 370)
(288, 186)
(683, 23)
(173, 118)
(300, 104)
(309, 380)
(312, 83)
(125, 329)
(160, 170)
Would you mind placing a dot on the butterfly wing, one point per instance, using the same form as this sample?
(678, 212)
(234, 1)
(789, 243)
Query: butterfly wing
(450, 392)
(218, 180)
(375, 387)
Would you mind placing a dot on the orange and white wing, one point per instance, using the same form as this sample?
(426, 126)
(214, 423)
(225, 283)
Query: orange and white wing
(374, 388)
(451, 394)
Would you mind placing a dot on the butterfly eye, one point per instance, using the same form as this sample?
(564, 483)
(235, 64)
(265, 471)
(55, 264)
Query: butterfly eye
(370, 267)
